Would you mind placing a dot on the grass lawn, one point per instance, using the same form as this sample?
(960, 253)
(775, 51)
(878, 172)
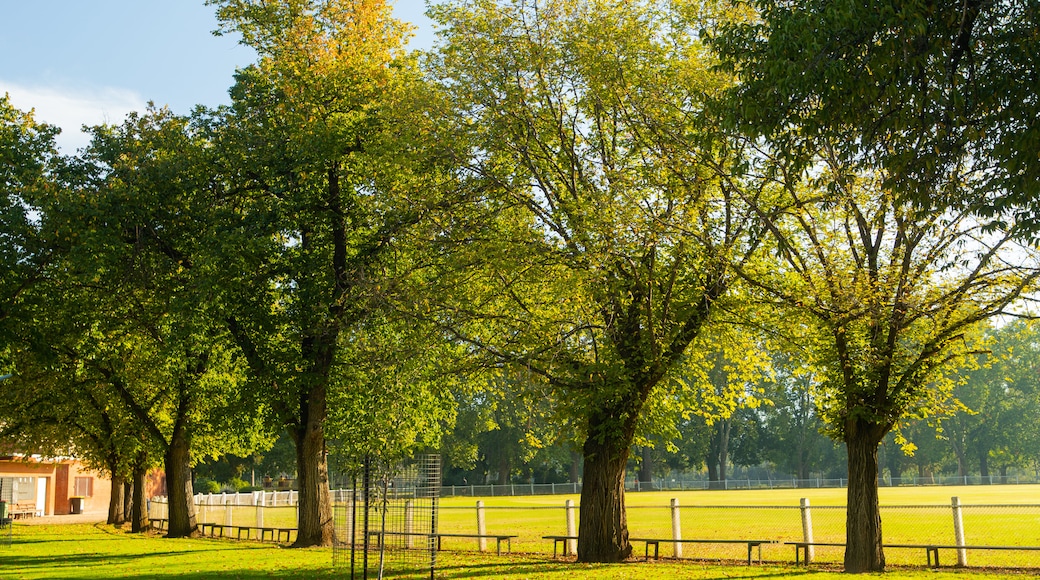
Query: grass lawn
(101, 551)
(741, 514)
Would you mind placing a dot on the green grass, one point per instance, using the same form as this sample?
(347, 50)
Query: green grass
(101, 551)
(719, 514)
(705, 514)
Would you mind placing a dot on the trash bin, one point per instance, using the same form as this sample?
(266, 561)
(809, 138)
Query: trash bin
(77, 505)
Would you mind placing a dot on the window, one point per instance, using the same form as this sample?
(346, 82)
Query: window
(84, 487)
(24, 490)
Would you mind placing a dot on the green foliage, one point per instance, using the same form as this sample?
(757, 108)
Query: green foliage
(930, 94)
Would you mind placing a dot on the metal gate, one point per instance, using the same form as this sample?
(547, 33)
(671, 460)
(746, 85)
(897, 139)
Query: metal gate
(386, 526)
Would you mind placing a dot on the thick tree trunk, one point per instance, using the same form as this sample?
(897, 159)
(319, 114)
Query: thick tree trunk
(116, 505)
(863, 551)
(178, 478)
(139, 508)
(603, 524)
(315, 507)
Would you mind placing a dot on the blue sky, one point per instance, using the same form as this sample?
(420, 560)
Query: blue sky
(87, 62)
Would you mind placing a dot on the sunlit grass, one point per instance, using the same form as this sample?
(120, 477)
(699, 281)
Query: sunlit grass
(84, 551)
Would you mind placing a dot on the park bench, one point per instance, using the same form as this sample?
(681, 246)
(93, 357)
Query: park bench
(559, 540)
(216, 530)
(931, 550)
(276, 533)
(158, 523)
(656, 543)
(23, 510)
(499, 538)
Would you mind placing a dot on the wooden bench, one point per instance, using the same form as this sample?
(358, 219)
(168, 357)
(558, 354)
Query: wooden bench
(276, 533)
(499, 538)
(931, 550)
(22, 510)
(158, 523)
(558, 540)
(212, 529)
(656, 542)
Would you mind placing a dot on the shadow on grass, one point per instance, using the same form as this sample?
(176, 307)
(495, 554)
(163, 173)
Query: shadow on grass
(570, 569)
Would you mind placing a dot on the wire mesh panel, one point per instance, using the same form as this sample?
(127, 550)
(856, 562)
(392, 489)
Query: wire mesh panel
(386, 526)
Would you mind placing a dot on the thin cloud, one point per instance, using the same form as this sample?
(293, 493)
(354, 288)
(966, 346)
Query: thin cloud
(72, 108)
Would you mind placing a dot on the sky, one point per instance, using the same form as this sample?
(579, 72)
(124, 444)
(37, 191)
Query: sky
(87, 62)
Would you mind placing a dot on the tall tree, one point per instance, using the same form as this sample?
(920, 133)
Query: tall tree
(605, 212)
(317, 146)
(892, 294)
(139, 215)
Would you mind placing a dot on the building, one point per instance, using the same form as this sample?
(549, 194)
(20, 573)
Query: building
(53, 486)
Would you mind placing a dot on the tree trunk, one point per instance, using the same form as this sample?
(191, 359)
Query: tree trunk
(178, 477)
(128, 500)
(116, 513)
(575, 470)
(139, 510)
(315, 507)
(646, 469)
(503, 469)
(863, 551)
(984, 466)
(723, 450)
(603, 524)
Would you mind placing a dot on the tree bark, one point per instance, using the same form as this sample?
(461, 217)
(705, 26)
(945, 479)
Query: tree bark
(315, 507)
(603, 523)
(128, 499)
(116, 513)
(178, 477)
(863, 550)
(139, 510)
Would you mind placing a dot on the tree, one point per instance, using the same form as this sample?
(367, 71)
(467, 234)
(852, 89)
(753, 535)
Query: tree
(139, 217)
(918, 90)
(891, 295)
(604, 212)
(792, 424)
(319, 149)
(1001, 402)
(27, 159)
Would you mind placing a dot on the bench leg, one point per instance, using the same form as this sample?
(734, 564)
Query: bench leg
(930, 551)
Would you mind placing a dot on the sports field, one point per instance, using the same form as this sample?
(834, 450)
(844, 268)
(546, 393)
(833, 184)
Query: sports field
(85, 551)
(992, 515)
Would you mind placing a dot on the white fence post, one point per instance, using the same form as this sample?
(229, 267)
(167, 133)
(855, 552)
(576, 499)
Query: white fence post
(676, 528)
(570, 547)
(807, 535)
(958, 531)
(481, 527)
(228, 509)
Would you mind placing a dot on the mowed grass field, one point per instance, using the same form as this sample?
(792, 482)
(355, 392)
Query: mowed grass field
(910, 515)
(93, 551)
